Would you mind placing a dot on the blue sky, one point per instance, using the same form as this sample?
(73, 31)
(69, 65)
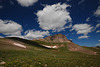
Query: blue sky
(79, 20)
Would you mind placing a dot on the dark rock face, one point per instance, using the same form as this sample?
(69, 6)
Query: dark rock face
(57, 38)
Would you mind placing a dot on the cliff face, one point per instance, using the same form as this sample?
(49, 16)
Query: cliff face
(57, 38)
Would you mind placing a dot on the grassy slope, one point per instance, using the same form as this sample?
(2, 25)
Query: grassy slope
(37, 56)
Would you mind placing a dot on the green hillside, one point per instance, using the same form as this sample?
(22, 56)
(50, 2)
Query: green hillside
(36, 55)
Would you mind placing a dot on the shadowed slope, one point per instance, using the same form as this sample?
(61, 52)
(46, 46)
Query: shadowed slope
(15, 43)
(29, 42)
(7, 44)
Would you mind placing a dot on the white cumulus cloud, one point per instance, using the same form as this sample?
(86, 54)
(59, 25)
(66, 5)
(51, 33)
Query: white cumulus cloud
(54, 17)
(83, 37)
(32, 34)
(8, 27)
(82, 29)
(98, 31)
(97, 26)
(26, 3)
(97, 13)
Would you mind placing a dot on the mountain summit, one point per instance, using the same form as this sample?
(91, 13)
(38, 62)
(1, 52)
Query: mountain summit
(57, 38)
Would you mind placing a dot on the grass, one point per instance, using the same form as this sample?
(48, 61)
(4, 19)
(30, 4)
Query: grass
(37, 56)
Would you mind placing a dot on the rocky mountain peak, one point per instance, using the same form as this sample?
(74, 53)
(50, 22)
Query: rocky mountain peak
(57, 38)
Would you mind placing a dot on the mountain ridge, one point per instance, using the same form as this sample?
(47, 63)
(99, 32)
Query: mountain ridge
(56, 38)
(60, 38)
(56, 41)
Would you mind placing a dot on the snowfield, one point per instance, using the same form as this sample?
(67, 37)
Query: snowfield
(50, 46)
(19, 45)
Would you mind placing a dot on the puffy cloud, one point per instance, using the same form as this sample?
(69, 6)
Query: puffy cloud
(26, 3)
(31, 34)
(54, 17)
(99, 40)
(97, 13)
(82, 29)
(97, 31)
(8, 27)
(98, 25)
(83, 37)
(13, 29)
(80, 2)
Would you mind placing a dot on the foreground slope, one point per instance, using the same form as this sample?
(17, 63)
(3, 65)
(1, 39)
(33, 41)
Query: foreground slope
(36, 55)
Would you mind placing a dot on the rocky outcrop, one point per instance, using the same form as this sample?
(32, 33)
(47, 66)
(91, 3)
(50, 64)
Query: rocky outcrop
(57, 38)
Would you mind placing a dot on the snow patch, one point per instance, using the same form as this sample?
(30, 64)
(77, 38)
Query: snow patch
(50, 46)
(19, 45)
